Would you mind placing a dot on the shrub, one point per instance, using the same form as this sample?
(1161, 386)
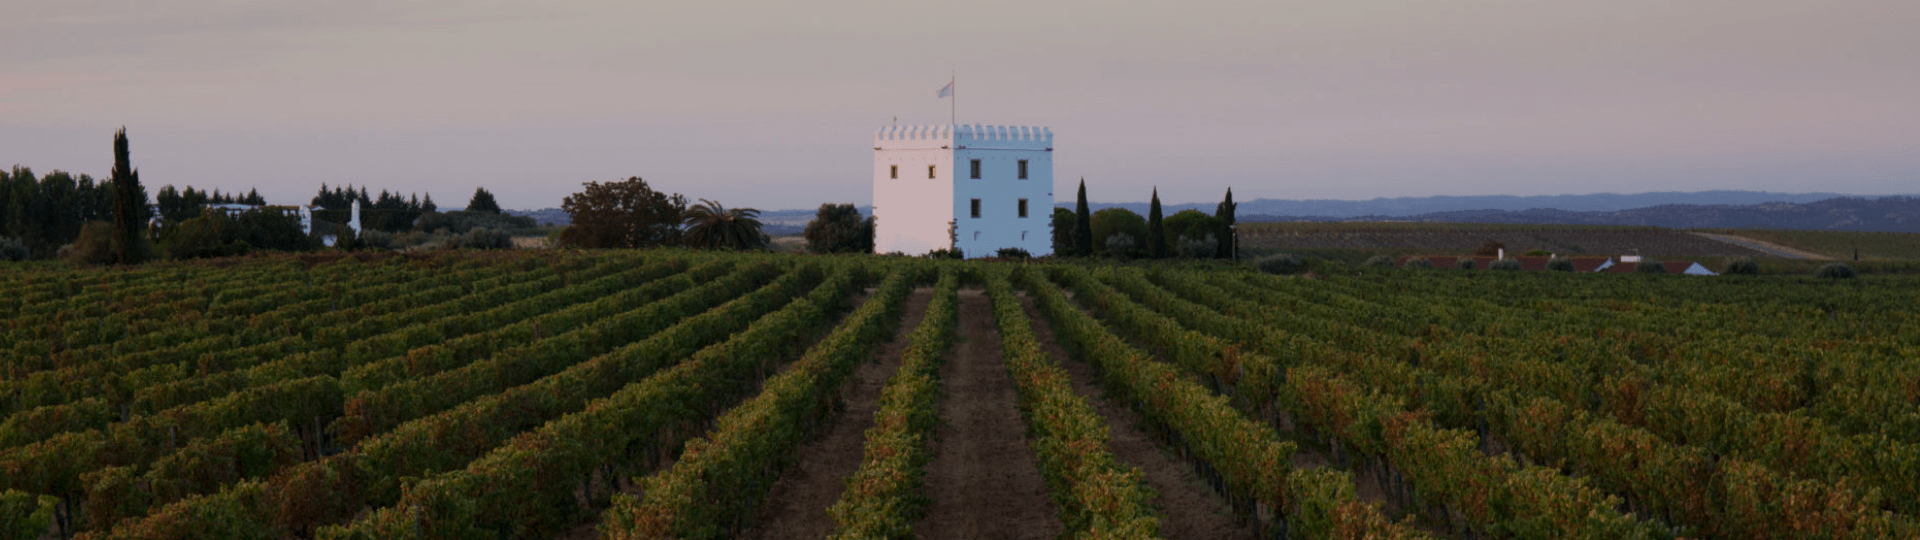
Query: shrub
(484, 238)
(1202, 248)
(1650, 266)
(1418, 262)
(93, 246)
(1378, 260)
(1505, 264)
(950, 253)
(377, 238)
(13, 250)
(1466, 263)
(1742, 266)
(1013, 253)
(1120, 246)
(1560, 264)
(1539, 253)
(1836, 271)
(1279, 263)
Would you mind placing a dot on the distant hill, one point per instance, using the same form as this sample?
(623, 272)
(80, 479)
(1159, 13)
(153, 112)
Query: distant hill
(1407, 206)
(1881, 214)
(544, 216)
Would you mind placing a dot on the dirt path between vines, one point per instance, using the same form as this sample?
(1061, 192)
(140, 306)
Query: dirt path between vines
(797, 505)
(1189, 508)
(983, 481)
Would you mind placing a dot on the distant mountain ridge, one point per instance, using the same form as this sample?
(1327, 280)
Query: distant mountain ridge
(1880, 214)
(1409, 206)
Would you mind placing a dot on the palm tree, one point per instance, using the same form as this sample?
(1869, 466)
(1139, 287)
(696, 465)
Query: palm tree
(711, 225)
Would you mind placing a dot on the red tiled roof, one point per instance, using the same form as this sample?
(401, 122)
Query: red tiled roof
(1588, 264)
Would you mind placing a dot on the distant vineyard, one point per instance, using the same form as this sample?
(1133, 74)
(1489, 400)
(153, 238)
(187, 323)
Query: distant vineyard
(1841, 244)
(1460, 239)
(664, 394)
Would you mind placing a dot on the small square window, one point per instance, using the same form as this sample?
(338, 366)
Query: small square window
(1023, 208)
(976, 208)
(1023, 169)
(930, 172)
(893, 172)
(976, 169)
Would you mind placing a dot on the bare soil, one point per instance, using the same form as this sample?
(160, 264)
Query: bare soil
(983, 481)
(1189, 508)
(797, 505)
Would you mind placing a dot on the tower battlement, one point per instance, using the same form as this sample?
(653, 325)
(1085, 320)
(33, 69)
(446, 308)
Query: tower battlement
(932, 136)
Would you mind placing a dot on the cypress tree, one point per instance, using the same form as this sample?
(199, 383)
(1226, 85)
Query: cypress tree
(1083, 224)
(1224, 213)
(129, 204)
(1156, 234)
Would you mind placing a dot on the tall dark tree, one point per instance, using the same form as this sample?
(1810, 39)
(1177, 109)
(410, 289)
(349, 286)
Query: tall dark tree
(838, 228)
(711, 225)
(625, 214)
(1156, 231)
(1083, 223)
(129, 205)
(483, 202)
(1224, 213)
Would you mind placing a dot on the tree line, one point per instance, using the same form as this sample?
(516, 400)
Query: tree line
(1122, 234)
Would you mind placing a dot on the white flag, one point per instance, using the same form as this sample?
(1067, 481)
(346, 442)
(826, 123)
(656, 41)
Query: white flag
(945, 91)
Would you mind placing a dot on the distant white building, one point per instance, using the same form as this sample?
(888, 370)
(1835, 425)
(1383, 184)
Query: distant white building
(978, 188)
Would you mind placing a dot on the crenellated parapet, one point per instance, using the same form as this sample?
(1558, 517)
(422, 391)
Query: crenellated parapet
(919, 137)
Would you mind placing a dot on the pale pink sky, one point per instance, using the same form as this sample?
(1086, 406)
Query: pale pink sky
(773, 104)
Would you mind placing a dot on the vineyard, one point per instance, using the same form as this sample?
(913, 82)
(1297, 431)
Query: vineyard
(672, 394)
(1464, 238)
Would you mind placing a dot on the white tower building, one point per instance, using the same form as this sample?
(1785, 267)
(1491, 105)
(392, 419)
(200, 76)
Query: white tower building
(978, 188)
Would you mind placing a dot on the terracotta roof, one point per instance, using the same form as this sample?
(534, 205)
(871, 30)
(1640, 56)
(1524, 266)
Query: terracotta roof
(1535, 263)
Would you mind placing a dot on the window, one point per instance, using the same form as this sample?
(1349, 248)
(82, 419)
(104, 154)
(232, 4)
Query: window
(893, 172)
(930, 171)
(976, 168)
(1023, 169)
(976, 208)
(1023, 208)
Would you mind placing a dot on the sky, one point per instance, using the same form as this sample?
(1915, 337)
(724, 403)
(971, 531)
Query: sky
(773, 105)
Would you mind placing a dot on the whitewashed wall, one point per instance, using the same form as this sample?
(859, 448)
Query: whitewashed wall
(913, 213)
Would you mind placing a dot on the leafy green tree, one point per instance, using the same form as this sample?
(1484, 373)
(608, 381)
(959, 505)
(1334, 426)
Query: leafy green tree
(1224, 213)
(624, 214)
(1064, 232)
(838, 228)
(711, 225)
(1188, 227)
(1156, 230)
(1111, 222)
(130, 212)
(483, 202)
(1082, 223)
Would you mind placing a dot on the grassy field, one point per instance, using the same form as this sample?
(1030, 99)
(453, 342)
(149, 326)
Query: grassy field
(1840, 245)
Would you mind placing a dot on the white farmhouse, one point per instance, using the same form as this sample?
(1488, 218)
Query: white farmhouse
(978, 188)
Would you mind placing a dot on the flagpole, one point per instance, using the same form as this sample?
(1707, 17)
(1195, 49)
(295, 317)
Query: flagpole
(954, 111)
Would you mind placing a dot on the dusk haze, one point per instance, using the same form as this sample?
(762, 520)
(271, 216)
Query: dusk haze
(771, 104)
